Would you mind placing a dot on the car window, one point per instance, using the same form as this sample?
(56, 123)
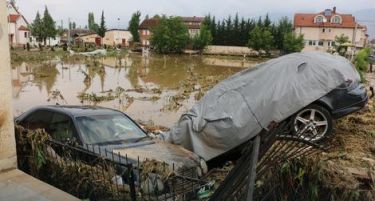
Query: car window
(108, 128)
(39, 119)
(61, 127)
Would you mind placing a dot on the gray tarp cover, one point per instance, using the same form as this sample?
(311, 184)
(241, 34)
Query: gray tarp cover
(239, 107)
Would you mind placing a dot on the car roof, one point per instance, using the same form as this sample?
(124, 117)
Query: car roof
(76, 111)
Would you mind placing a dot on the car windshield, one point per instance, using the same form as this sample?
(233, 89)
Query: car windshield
(101, 129)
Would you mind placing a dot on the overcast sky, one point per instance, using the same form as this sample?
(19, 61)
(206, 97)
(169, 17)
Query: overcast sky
(77, 10)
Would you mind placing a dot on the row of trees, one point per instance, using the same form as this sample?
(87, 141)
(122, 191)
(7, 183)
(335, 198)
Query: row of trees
(171, 35)
(101, 28)
(259, 35)
(45, 27)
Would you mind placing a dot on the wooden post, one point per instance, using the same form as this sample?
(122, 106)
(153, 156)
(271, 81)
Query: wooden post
(8, 156)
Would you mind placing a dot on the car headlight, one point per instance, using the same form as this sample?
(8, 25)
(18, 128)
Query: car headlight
(153, 183)
(203, 166)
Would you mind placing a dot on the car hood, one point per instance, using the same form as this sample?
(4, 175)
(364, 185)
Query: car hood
(173, 155)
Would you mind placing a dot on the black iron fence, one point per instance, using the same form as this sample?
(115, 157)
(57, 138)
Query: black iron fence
(95, 173)
(261, 155)
(99, 174)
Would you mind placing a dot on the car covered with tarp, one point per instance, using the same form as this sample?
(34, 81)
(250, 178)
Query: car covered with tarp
(239, 107)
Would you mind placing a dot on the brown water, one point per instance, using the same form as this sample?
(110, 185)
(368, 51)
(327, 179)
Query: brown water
(158, 79)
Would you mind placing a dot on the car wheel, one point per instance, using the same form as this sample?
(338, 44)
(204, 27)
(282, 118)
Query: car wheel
(312, 123)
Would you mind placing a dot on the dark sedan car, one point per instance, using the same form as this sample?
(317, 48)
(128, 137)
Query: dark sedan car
(111, 130)
(317, 118)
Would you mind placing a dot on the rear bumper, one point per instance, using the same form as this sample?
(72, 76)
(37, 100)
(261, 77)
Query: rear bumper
(339, 113)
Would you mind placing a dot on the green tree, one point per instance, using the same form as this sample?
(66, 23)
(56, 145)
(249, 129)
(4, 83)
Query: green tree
(37, 27)
(284, 26)
(292, 43)
(204, 38)
(102, 28)
(260, 39)
(49, 26)
(267, 21)
(91, 21)
(341, 44)
(170, 36)
(134, 25)
(92, 25)
(361, 62)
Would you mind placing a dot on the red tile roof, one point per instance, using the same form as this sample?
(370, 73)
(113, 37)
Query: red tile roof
(149, 23)
(16, 9)
(23, 28)
(13, 18)
(307, 20)
(192, 19)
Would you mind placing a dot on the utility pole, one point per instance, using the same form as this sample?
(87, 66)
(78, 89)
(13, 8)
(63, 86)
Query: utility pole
(8, 156)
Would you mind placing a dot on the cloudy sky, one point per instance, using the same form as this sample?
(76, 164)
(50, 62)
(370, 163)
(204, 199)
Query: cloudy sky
(77, 10)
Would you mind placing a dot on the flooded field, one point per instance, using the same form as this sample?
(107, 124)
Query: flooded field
(158, 89)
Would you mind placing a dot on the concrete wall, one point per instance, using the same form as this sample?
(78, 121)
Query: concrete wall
(8, 155)
(228, 50)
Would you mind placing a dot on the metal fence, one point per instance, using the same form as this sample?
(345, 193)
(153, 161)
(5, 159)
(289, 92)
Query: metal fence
(268, 149)
(95, 173)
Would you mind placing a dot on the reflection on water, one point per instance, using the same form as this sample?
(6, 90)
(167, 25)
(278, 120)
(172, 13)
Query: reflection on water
(57, 82)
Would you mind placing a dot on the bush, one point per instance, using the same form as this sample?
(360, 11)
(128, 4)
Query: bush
(361, 62)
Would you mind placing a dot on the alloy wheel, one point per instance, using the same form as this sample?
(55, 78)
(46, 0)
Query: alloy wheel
(311, 124)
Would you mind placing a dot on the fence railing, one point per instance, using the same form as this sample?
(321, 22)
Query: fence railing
(97, 173)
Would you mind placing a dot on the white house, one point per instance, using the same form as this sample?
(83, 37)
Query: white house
(113, 37)
(19, 32)
(49, 41)
(320, 29)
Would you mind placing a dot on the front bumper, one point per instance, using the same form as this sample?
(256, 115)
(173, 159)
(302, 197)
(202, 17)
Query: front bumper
(350, 109)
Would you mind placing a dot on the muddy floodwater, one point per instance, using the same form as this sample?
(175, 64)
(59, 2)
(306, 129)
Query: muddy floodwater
(158, 89)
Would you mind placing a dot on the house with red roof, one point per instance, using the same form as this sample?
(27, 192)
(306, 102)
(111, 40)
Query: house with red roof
(145, 28)
(19, 33)
(320, 29)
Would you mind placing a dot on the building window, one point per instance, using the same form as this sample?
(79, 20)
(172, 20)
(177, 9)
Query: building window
(25, 34)
(331, 43)
(323, 30)
(319, 19)
(312, 43)
(320, 43)
(336, 19)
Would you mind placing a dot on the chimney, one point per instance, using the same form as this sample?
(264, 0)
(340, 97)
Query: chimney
(334, 9)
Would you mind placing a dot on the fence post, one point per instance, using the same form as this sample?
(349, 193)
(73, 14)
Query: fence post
(253, 168)
(133, 195)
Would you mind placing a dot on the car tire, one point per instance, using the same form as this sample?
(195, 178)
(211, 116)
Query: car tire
(314, 121)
